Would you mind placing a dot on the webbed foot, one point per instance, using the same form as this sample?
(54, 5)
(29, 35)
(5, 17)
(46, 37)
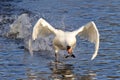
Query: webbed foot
(70, 56)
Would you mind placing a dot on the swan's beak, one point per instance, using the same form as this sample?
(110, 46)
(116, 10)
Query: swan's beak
(69, 50)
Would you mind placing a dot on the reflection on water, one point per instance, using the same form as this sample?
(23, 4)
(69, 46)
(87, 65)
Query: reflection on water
(42, 67)
(62, 71)
(59, 72)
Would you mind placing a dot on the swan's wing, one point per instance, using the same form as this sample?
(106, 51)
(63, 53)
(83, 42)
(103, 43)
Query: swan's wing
(90, 32)
(42, 28)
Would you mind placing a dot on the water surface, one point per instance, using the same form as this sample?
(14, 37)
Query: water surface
(17, 64)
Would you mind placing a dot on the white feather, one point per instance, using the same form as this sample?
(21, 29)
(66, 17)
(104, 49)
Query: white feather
(42, 28)
(90, 32)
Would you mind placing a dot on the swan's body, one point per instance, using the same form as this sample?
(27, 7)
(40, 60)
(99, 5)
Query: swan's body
(67, 40)
(64, 39)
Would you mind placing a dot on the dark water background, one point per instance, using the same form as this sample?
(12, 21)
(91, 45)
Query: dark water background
(17, 64)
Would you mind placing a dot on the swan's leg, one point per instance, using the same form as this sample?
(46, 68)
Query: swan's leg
(56, 56)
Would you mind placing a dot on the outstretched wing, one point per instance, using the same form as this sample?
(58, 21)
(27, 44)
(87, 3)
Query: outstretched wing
(90, 32)
(42, 28)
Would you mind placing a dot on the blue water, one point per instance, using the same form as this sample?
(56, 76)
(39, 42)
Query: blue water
(17, 64)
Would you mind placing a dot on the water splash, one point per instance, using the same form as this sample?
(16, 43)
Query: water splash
(22, 29)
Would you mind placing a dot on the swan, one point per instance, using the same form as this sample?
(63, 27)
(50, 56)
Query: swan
(65, 40)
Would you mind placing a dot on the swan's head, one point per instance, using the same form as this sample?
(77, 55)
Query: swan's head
(69, 49)
(70, 42)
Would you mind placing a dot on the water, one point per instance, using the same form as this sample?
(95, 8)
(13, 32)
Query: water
(17, 64)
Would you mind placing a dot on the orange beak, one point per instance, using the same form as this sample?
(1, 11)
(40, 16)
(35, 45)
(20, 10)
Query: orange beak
(69, 50)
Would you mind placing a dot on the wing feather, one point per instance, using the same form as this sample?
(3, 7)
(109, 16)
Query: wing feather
(90, 32)
(42, 28)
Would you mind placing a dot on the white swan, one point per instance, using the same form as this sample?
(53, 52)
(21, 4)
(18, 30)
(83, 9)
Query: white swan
(65, 40)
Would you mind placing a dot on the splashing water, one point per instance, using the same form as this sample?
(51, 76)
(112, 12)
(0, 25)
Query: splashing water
(22, 29)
